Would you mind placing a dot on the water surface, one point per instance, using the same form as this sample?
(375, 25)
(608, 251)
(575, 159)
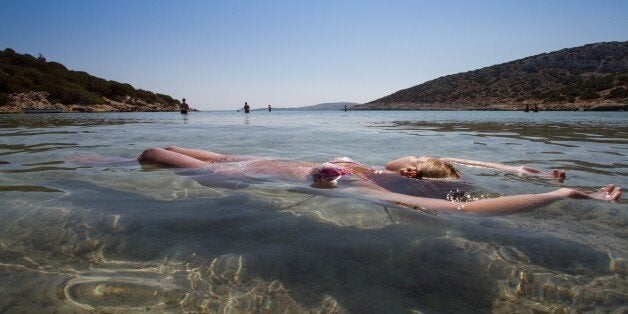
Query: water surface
(121, 236)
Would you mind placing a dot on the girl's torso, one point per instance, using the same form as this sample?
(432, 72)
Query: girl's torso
(242, 173)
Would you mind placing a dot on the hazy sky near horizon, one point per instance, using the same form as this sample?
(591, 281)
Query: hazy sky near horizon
(218, 54)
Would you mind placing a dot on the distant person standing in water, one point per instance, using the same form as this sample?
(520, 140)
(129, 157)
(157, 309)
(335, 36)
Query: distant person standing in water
(345, 108)
(184, 107)
(269, 108)
(247, 109)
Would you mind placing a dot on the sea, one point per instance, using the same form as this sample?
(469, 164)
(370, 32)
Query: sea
(84, 227)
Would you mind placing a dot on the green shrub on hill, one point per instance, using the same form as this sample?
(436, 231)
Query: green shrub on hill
(4, 98)
(617, 92)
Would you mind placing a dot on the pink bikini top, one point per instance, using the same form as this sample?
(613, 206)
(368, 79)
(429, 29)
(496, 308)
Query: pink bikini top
(327, 172)
(330, 171)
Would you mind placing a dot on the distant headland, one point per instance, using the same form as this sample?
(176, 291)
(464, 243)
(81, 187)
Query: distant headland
(32, 83)
(589, 77)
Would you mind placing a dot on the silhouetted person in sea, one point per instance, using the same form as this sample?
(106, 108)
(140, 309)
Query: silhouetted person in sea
(345, 108)
(184, 107)
(269, 109)
(247, 109)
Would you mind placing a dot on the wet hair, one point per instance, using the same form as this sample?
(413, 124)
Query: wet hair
(436, 169)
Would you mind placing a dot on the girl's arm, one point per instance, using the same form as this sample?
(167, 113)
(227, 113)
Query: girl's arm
(521, 170)
(493, 206)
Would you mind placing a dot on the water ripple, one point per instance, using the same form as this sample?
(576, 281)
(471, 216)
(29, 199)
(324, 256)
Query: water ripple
(27, 188)
(35, 169)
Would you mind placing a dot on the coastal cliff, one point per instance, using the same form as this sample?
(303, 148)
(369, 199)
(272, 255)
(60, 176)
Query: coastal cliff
(590, 77)
(27, 82)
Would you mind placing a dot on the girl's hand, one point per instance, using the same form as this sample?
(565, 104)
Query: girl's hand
(607, 193)
(557, 174)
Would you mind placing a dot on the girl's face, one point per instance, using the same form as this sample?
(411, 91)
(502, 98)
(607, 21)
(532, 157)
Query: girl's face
(419, 167)
(410, 172)
(406, 164)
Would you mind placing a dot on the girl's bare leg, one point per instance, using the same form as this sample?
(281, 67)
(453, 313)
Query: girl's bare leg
(204, 155)
(169, 158)
(198, 154)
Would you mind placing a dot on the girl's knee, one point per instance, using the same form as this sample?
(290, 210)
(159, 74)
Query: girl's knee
(149, 154)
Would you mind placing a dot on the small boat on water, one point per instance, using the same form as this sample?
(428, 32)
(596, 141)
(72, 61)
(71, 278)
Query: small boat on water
(47, 110)
(184, 111)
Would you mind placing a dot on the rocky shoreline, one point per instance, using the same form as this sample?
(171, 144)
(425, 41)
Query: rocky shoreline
(579, 106)
(18, 103)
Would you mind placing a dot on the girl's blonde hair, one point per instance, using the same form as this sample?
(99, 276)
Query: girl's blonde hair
(437, 169)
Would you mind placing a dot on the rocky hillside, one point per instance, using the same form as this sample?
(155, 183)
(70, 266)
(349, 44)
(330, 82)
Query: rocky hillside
(590, 77)
(30, 82)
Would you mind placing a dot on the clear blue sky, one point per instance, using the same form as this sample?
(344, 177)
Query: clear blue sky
(218, 54)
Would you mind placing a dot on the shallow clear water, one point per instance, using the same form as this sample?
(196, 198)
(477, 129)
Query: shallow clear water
(119, 236)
